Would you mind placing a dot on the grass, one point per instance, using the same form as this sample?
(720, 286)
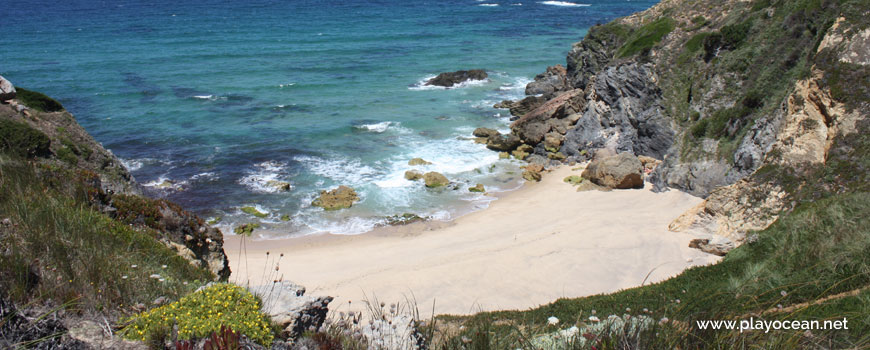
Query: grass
(59, 249)
(20, 140)
(647, 36)
(37, 100)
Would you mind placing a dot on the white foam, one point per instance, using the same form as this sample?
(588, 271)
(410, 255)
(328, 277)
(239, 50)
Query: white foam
(204, 97)
(206, 176)
(286, 85)
(166, 184)
(517, 4)
(262, 174)
(563, 4)
(132, 164)
(488, 5)
(341, 170)
(377, 127)
(421, 84)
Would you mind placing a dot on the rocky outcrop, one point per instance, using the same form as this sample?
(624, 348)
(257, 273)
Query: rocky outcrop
(484, 132)
(553, 80)
(413, 175)
(503, 143)
(552, 115)
(532, 172)
(435, 179)
(293, 311)
(418, 161)
(7, 90)
(622, 171)
(521, 107)
(452, 78)
(342, 197)
(477, 188)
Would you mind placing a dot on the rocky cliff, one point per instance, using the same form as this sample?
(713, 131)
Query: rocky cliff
(40, 130)
(730, 95)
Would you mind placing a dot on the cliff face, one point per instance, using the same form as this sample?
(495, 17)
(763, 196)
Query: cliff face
(731, 95)
(41, 131)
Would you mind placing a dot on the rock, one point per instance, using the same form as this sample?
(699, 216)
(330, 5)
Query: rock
(413, 175)
(285, 217)
(519, 154)
(452, 78)
(552, 141)
(7, 90)
(649, 163)
(480, 140)
(503, 155)
(434, 179)
(342, 197)
(478, 188)
(253, 211)
(717, 246)
(292, 310)
(532, 172)
(556, 156)
(484, 132)
(503, 143)
(282, 186)
(532, 126)
(505, 104)
(246, 229)
(622, 171)
(418, 161)
(573, 180)
(553, 80)
(404, 219)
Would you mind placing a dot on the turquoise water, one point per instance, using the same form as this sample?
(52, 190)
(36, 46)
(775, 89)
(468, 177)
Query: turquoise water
(219, 97)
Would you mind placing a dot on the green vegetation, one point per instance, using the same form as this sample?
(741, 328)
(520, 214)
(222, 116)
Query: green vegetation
(246, 229)
(37, 100)
(644, 38)
(20, 140)
(573, 180)
(83, 257)
(202, 313)
(253, 211)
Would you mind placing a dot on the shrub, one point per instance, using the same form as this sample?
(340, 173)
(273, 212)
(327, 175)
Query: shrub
(204, 312)
(37, 100)
(647, 36)
(21, 140)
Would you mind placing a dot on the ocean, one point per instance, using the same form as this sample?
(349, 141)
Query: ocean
(207, 101)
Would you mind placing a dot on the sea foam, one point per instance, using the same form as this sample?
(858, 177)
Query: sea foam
(563, 4)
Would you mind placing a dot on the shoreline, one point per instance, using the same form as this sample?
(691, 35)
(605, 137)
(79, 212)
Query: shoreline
(536, 244)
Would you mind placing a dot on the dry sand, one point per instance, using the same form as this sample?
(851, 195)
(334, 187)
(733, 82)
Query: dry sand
(532, 246)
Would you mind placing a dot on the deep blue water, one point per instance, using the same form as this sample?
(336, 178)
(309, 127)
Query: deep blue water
(219, 97)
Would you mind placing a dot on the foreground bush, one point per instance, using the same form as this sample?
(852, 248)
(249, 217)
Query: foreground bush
(202, 313)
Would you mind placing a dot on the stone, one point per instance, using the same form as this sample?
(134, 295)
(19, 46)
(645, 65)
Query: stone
(556, 156)
(503, 143)
(717, 246)
(413, 175)
(418, 161)
(404, 219)
(532, 126)
(484, 132)
(649, 163)
(7, 90)
(519, 154)
(342, 197)
(622, 171)
(553, 80)
(253, 211)
(246, 229)
(532, 172)
(573, 180)
(552, 141)
(450, 79)
(435, 179)
(478, 188)
(282, 186)
(503, 155)
(294, 312)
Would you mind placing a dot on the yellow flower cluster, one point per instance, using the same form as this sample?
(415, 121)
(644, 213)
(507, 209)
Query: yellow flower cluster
(199, 314)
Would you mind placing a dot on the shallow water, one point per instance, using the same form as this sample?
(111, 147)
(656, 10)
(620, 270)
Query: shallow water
(221, 97)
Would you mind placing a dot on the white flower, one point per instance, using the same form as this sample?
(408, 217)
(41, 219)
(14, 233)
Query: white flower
(593, 319)
(552, 320)
(124, 277)
(783, 293)
(163, 266)
(155, 276)
(134, 266)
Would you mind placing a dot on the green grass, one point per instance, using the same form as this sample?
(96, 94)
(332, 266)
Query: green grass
(37, 100)
(83, 256)
(644, 38)
(20, 140)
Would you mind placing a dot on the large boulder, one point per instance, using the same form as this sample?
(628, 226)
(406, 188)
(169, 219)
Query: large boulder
(7, 90)
(342, 197)
(503, 143)
(484, 132)
(621, 171)
(532, 126)
(521, 107)
(553, 80)
(413, 175)
(532, 172)
(292, 310)
(418, 161)
(452, 78)
(435, 179)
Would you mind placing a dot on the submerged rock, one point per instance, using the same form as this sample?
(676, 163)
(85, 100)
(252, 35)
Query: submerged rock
(7, 90)
(253, 211)
(282, 186)
(435, 179)
(418, 161)
(452, 78)
(621, 171)
(246, 229)
(404, 219)
(342, 197)
(478, 188)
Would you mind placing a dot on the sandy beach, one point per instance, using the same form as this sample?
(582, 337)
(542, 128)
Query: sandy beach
(530, 247)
